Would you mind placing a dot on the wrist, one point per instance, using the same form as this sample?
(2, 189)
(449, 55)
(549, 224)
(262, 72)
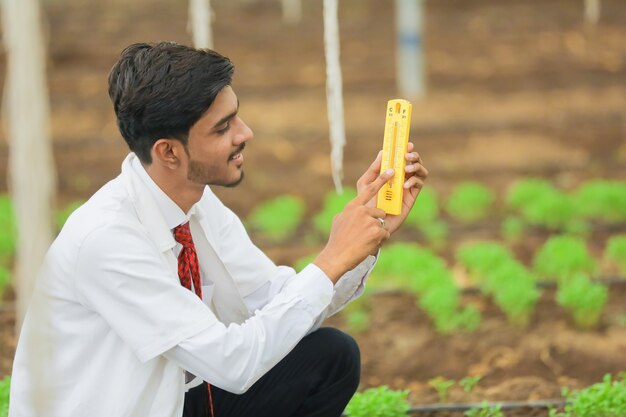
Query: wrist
(333, 269)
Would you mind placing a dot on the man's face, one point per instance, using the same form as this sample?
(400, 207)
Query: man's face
(216, 142)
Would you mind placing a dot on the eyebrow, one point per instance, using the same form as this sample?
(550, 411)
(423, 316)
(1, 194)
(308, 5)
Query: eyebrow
(227, 117)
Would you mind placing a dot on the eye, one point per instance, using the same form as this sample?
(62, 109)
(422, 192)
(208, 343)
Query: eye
(224, 129)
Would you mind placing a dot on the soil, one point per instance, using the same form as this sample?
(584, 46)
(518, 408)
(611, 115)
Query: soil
(516, 88)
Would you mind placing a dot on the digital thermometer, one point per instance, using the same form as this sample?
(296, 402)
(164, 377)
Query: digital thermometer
(396, 140)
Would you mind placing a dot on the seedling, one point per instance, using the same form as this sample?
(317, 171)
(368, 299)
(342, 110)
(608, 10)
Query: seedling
(562, 257)
(584, 299)
(541, 204)
(525, 191)
(442, 386)
(441, 303)
(333, 204)
(435, 232)
(514, 291)
(379, 402)
(408, 266)
(426, 208)
(5, 388)
(469, 382)
(480, 258)
(512, 228)
(470, 202)
(615, 252)
(278, 218)
(7, 230)
(604, 399)
(467, 319)
(485, 411)
(602, 200)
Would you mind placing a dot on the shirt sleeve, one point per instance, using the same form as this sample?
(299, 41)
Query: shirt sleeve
(235, 357)
(122, 276)
(349, 287)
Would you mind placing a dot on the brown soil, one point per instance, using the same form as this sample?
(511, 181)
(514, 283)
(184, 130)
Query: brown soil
(516, 88)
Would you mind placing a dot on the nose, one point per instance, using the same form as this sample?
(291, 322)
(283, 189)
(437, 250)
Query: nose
(244, 134)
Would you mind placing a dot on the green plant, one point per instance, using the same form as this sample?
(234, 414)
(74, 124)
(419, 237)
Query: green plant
(442, 386)
(425, 210)
(583, 298)
(406, 266)
(468, 319)
(482, 257)
(541, 204)
(562, 257)
(469, 382)
(615, 252)
(62, 215)
(512, 228)
(441, 303)
(513, 289)
(603, 399)
(485, 411)
(435, 233)
(7, 230)
(278, 218)
(333, 205)
(5, 388)
(470, 201)
(602, 200)
(379, 402)
(527, 190)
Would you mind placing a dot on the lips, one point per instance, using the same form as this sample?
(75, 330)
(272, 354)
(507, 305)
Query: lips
(238, 154)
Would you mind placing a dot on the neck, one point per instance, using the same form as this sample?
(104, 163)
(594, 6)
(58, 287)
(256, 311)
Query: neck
(176, 187)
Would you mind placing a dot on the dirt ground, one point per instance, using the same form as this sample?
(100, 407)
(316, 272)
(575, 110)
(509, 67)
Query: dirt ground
(516, 88)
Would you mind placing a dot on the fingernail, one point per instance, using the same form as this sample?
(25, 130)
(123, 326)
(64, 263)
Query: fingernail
(389, 171)
(406, 184)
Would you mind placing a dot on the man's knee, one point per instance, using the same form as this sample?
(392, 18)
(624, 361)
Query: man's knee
(339, 350)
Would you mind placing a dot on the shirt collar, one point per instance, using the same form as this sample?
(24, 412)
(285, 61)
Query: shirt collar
(172, 214)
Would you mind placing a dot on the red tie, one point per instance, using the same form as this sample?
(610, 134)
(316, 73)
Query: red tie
(188, 271)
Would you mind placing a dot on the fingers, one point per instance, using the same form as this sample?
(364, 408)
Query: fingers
(371, 189)
(376, 212)
(372, 171)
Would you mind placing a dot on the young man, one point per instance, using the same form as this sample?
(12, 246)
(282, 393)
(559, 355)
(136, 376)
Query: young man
(153, 286)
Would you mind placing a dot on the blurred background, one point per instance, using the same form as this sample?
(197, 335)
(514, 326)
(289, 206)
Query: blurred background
(514, 89)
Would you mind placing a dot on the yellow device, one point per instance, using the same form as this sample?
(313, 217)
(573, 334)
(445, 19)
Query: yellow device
(397, 125)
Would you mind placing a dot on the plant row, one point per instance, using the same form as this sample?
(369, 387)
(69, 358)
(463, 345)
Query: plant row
(527, 203)
(603, 399)
(491, 267)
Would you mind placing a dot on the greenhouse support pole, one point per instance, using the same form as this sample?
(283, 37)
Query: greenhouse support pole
(292, 11)
(592, 11)
(200, 23)
(27, 120)
(334, 98)
(410, 52)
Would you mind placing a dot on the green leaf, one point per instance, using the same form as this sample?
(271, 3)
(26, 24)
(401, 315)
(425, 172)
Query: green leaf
(379, 402)
(585, 299)
(277, 219)
(470, 202)
(5, 388)
(562, 257)
(333, 204)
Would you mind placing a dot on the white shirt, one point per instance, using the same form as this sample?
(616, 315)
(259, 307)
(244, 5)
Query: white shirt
(110, 329)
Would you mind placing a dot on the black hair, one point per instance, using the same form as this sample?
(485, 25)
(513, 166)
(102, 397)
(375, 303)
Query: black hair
(161, 90)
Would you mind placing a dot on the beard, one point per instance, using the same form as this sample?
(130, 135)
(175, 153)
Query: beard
(209, 175)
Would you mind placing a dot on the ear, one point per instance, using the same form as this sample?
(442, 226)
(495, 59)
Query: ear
(168, 153)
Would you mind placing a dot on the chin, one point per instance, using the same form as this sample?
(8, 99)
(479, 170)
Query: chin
(236, 182)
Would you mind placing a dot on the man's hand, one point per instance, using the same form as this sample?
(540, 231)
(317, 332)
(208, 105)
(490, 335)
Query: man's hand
(415, 175)
(356, 232)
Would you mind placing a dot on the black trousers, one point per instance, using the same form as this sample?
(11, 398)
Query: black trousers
(316, 379)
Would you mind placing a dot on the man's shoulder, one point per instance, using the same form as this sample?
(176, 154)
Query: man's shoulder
(110, 209)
